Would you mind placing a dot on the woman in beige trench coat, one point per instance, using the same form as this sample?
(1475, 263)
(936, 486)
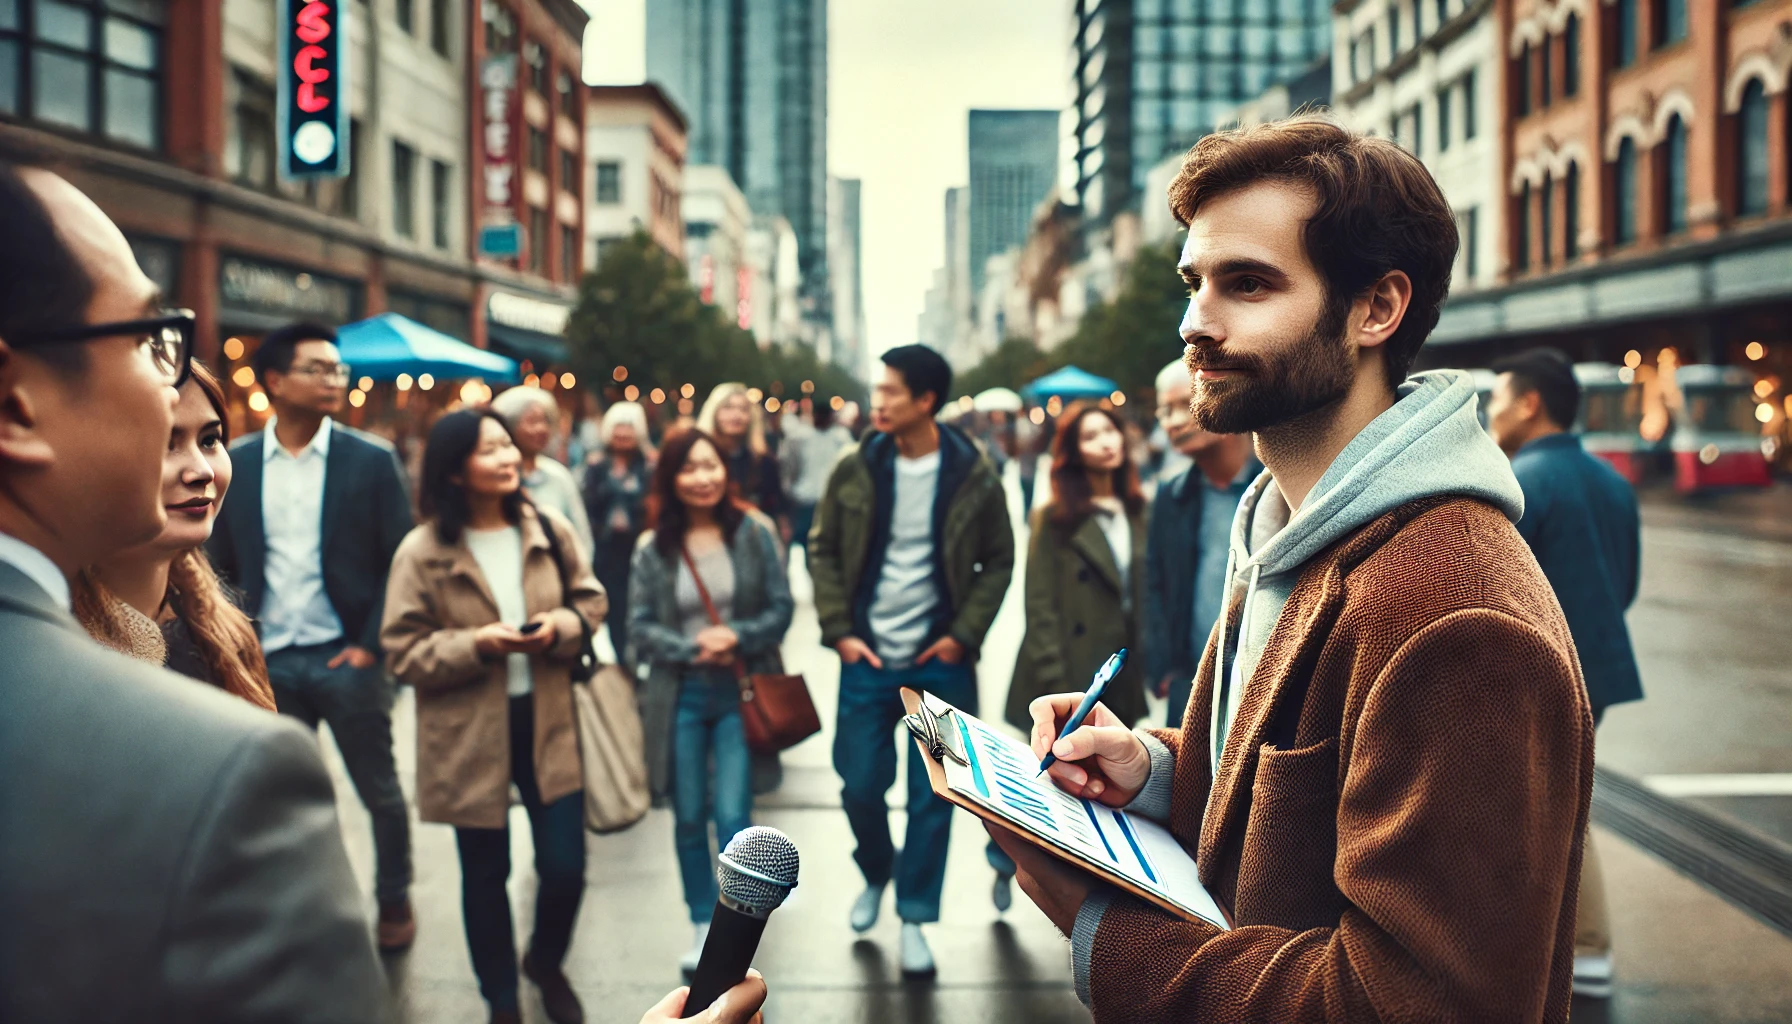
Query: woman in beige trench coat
(478, 621)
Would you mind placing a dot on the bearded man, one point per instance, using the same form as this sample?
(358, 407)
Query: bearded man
(1385, 768)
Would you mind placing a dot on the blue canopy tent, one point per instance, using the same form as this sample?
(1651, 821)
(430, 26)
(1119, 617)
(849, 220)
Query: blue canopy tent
(1070, 382)
(384, 346)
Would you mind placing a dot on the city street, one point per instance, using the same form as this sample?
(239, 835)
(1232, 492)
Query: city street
(1709, 627)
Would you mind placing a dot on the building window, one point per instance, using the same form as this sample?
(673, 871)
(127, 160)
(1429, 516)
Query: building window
(441, 24)
(406, 12)
(1521, 82)
(1571, 56)
(1546, 218)
(1472, 232)
(1393, 30)
(1443, 15)
(569, 171)
(250, 158)
(537, 59)
(538, 149)
(1751, 151)
(1545, 72)
(1416, 128)
(1670, 22)
(569, 98)
(538, 240)
(1624, 193)
(500, 28)
(1470, 105)
(1571, 214)
(404, 183)
(1521, 254)
(1443, 120)
(1625, 26)
(440, 177)
(1673, 161)
(569, 253)
(81, 67)
(609, 183)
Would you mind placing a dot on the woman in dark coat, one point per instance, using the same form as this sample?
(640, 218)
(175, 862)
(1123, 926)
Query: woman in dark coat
(616, 504)
(1085, 589)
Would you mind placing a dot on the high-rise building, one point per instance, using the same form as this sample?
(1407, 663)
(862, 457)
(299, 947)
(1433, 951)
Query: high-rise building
(845, 267)
(1014, 167)
(1153, 76)
(752, 76)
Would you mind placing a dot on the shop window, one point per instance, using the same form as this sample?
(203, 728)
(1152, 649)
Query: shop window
(608, 189)
(1624, 197)
(405, 11)
(1521, 242)
(538, 149)
(441, 24)
(538, 240)
(1624, 25)
(1751, 151)
(1571, 214)
(1670, 22)
(404, 184)
(1673, 177)
(1571, 57)
(92, 68)
(441, 178)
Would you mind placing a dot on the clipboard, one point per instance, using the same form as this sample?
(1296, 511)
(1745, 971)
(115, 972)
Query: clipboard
(973, 766)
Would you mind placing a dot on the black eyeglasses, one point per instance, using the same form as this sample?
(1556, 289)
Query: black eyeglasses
(168, 338)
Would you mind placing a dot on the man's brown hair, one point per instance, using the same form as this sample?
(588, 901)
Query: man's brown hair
(1379, 210)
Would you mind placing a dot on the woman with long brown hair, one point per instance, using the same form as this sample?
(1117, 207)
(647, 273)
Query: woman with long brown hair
(161, 601)
(1085, 590)
(708, 556)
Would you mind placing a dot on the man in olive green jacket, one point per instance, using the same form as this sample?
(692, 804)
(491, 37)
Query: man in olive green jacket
(911, 553)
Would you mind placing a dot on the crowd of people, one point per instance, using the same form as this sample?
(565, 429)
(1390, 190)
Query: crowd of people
(1325, 621)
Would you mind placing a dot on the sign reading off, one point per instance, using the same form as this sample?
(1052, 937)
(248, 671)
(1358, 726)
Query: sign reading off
(313, 90)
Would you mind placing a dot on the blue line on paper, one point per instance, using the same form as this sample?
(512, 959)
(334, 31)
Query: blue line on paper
(1087, 806)
(1126, 828)
(970, 751)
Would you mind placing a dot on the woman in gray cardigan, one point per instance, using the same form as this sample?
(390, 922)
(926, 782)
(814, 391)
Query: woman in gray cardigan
(703, 540)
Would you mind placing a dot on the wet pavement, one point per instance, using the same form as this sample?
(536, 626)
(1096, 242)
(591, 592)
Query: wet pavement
(1710, 629)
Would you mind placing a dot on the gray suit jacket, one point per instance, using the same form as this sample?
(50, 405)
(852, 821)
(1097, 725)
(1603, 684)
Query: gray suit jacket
(167, 852)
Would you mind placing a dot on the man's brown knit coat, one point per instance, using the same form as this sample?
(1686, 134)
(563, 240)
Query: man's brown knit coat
(1408, 850)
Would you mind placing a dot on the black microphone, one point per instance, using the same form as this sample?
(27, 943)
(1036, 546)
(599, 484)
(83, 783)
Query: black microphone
(757, 872)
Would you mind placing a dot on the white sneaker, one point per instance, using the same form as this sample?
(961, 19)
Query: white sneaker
(917, 959)
(1002, 895)
(688, 962)
(1593, 975)
(865, 908)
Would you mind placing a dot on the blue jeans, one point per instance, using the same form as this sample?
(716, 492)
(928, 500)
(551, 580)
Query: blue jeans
(358, 705)
(559, 833)
(865, 757)
(707, 726)
(802, 517)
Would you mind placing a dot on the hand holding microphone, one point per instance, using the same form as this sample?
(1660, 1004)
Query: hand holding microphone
(757, 872)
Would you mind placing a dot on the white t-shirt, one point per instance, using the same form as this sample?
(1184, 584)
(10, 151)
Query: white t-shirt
(903, 605)
(500, 557)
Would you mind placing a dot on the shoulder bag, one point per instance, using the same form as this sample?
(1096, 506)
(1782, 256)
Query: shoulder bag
(612, 743)
(775, 710)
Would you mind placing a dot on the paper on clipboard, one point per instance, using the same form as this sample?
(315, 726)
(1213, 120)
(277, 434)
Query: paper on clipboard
(1000, 775)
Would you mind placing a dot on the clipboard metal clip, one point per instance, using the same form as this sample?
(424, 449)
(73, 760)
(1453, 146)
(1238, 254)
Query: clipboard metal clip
(935, 727)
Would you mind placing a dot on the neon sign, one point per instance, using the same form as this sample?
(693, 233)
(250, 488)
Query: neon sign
(313, 90)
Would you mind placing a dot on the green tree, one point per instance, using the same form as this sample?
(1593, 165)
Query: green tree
(1014, 362)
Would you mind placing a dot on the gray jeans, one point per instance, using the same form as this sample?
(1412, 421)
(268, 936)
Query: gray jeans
(358, 705)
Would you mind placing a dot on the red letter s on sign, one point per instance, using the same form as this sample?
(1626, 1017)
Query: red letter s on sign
(312, 26)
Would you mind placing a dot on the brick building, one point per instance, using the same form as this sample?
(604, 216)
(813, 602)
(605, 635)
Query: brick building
(164, 111)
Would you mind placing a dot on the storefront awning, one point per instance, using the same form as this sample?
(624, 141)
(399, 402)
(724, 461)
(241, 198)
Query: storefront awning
(387, 345)
(523, 345)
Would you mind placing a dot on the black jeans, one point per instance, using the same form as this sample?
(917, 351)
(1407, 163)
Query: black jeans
(358, 705)
(611, 563)
(559, 832)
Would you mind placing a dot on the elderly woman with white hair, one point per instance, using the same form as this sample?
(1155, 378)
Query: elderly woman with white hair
(616, 499)
(534, 420)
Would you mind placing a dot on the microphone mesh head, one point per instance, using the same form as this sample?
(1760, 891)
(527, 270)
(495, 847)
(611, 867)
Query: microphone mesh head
(758, 851)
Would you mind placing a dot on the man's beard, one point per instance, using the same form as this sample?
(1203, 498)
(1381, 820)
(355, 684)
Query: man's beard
(1270, 390)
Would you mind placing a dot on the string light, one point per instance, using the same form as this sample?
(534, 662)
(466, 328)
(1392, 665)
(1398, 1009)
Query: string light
(656, 396)
(687, 391)
(631, 394)
(1756, 350)
(426, 382)
(243, 377)
(771, 405)
(403, 382)
(532, 381)
(233, 349)
(1633, 359)
(567, 380)
(365, 383)
(808, 387)
(1118, 397)
(837, 403)
(357, 398)
(258, 402)
(549, 381)
(619, 374)
(755, 395)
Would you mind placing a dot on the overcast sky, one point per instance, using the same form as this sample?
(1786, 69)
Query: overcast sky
(901, 78)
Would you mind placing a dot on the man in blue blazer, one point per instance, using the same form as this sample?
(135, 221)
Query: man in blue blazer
(315, 513)
(1580, 519)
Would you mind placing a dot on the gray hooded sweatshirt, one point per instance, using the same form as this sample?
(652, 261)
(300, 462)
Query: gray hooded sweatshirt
(1429, 443)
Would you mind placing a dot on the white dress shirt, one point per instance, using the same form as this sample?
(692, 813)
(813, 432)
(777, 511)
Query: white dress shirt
(36, 566)
(295, 611)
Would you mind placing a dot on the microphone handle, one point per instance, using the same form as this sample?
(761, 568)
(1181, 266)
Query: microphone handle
(727, 953)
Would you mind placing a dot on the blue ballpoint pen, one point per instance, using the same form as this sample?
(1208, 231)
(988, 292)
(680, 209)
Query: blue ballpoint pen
(1109, 669)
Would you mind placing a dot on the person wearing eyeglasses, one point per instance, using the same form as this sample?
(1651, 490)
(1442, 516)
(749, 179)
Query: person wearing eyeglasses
(318, 511)
(166, 849)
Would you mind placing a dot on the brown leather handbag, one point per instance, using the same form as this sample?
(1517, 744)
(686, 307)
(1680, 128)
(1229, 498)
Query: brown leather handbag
(775, 709)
